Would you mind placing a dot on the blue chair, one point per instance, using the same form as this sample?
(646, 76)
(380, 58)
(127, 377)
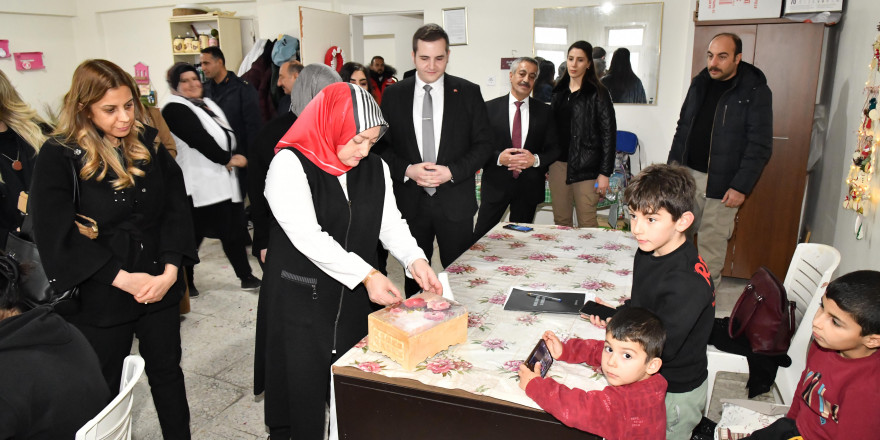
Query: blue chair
(627, 143)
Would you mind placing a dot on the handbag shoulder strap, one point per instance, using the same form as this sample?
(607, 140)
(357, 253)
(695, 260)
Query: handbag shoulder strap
(75, 185)
(744, 309)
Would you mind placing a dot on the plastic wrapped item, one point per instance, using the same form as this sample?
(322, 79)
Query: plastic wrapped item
(418, 328)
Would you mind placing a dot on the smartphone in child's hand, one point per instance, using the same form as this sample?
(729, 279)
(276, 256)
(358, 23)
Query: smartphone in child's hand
(541, 354)
(602, 311)
(519, 228)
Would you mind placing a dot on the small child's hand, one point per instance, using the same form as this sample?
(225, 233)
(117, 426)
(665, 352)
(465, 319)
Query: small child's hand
(595, 319)
(601, 323)
(553, 344)
(525, 375)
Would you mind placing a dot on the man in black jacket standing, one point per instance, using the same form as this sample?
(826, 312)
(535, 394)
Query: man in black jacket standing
(236, 97)
(724, 137)
(525, 145)
(437, 140)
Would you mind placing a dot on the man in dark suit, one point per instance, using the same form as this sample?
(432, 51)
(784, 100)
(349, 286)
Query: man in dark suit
(525, 145)
(439, 138)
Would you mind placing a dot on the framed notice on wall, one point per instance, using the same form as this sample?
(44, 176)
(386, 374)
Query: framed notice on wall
(455, 25)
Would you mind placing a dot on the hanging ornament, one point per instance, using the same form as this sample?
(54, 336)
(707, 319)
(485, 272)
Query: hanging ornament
(858, 180)
(859, 230)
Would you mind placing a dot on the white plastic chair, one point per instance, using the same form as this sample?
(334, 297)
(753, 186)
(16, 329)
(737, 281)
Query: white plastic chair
(114, 421)
(808, 274)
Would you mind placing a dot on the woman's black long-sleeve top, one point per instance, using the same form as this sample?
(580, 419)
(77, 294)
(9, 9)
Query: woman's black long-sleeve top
(592, 141)
(141, 229)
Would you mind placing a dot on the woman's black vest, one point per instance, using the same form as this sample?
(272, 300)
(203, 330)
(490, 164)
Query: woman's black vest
(323, 305)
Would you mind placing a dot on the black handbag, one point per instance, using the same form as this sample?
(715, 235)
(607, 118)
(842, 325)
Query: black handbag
(33, 282)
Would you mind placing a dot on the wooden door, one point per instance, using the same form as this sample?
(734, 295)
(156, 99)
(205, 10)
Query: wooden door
(767, 225)
(321, 30)
(789, 55)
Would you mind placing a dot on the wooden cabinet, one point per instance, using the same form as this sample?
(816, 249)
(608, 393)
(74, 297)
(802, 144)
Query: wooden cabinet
(229, 29)
(789, 54)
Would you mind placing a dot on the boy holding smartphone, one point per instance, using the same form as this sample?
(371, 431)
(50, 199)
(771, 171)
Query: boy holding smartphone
(632, 406)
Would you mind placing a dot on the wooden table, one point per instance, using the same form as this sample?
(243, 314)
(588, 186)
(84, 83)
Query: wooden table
(472, 389)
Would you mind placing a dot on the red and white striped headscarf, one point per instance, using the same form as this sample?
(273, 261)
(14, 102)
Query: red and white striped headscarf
(333, 117)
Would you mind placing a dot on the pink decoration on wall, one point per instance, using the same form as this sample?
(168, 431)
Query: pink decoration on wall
(29, 60)
(142, 73)
(4, 48)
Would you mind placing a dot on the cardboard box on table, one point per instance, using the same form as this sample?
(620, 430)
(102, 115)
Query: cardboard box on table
(417, 329)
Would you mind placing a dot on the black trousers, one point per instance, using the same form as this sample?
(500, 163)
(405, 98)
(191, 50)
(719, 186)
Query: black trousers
(490, 214)
(453, 237)
(158, 333)
(224, 221)
(308, 407)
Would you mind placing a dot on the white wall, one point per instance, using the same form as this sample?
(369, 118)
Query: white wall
(398, 51)
(830, 224)
(46, 29)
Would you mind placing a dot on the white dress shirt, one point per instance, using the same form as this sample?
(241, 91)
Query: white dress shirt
(524, 120)
(437, 100)
(290, 198)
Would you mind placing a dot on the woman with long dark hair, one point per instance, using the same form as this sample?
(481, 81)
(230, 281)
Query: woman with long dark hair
(623, 84)
(544, 83)
(104, 163)
(587, 131)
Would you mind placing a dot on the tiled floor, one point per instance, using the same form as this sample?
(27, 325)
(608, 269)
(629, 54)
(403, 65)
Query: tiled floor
(218, 348)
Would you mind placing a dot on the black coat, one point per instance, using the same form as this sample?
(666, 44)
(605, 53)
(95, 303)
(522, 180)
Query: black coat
(50, 380)
(240, 104)
(625, 89)
(141, 229)
(593, 138)
(465, 143)
(742, 133)
(541, 140)
(14, 182)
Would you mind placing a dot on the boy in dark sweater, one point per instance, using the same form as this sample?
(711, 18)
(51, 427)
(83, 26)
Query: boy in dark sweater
(632, 406)
(672, 281)
(839, 391)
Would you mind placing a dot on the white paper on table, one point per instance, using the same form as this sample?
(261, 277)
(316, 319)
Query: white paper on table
(444, 281)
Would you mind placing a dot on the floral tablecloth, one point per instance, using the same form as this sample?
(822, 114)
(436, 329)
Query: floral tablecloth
(549, 257)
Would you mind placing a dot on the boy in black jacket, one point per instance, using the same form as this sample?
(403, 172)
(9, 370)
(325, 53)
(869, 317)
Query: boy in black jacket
(672, 281)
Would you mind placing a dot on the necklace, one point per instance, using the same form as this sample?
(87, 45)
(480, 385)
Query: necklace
(16, 164)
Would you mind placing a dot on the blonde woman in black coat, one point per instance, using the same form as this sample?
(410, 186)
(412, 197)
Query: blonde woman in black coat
(128, 276)
(21, 136)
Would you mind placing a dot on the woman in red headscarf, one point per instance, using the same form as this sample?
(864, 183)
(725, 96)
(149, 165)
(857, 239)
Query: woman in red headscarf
(333, 202)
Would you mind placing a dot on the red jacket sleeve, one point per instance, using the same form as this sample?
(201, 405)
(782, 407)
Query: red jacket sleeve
(596, 412)
(589, 351)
